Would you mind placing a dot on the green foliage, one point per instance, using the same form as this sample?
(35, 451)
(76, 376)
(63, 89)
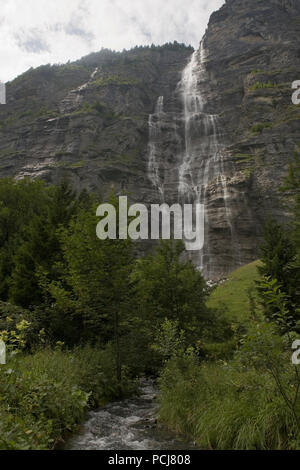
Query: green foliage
(233, 296)
(30, 214)
(254, 72)
(291, 190)
(98, 107)
(278, 287)
(95, 286)
(169, 340)
(259, 85)
(15, 339)
(171, 312)
(46, 394)
(227, 378)
(258, 128)
(249, 403)
(168, 287)
(277, 252)
(29, 115)
(243, 157)
(115, 80)
(277, 305)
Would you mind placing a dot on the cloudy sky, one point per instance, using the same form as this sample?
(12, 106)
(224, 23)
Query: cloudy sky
(35, 32)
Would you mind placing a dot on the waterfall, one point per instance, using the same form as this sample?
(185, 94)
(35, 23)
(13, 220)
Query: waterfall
(203, 156)
(200, 161)
(155, 137)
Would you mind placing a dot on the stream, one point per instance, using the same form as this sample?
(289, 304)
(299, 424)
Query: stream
(127, 425)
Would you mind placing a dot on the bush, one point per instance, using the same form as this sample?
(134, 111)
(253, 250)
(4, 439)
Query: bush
(46, 394)
(259, 85)
(260, 127)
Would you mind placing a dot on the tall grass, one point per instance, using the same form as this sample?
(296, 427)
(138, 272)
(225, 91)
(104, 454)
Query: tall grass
(226, 406)
(47, 393)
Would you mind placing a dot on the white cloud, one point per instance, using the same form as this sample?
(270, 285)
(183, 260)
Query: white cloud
(38, 32)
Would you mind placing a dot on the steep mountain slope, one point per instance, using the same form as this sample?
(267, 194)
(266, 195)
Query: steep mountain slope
(252, 56)
(232, 143)
(216, 126)
(241, 127)
(88, 120)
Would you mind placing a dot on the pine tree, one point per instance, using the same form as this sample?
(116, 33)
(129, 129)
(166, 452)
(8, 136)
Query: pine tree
(38, 248)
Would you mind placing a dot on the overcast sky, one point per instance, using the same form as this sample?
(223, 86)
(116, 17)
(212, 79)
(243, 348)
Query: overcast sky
(35, 32)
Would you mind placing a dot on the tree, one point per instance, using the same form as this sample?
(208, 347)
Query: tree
(38, 248)
(95, 285)
(277, 254)
(171, 288)
(279, 287)
(20, 201)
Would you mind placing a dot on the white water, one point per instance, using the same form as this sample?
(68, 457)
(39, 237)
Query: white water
(155, 136)
(127, 425)
(74, 98)
(202, 159)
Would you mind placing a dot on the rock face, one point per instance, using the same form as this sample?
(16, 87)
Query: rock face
(216, 126)
(252, 57)
(88, 121)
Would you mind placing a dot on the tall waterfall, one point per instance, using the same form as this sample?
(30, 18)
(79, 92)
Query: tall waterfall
(155, 136)
(200, 161)
(203, 156)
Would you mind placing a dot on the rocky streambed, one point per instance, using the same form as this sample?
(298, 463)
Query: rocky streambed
(127, 425)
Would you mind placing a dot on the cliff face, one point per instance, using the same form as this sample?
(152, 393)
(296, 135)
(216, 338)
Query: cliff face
(88, 121)
(252, 57)
(163, 124)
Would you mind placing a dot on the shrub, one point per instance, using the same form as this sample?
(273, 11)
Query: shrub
(259, 85)
(260, 127)
(45, 394)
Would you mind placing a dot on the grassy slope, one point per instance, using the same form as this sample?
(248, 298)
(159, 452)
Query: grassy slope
(233, 295)
(226, 403)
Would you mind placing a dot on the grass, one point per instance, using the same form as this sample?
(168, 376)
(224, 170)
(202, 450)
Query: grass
(233, 296)
(227, 406)
(231, 399)
(45, 394)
